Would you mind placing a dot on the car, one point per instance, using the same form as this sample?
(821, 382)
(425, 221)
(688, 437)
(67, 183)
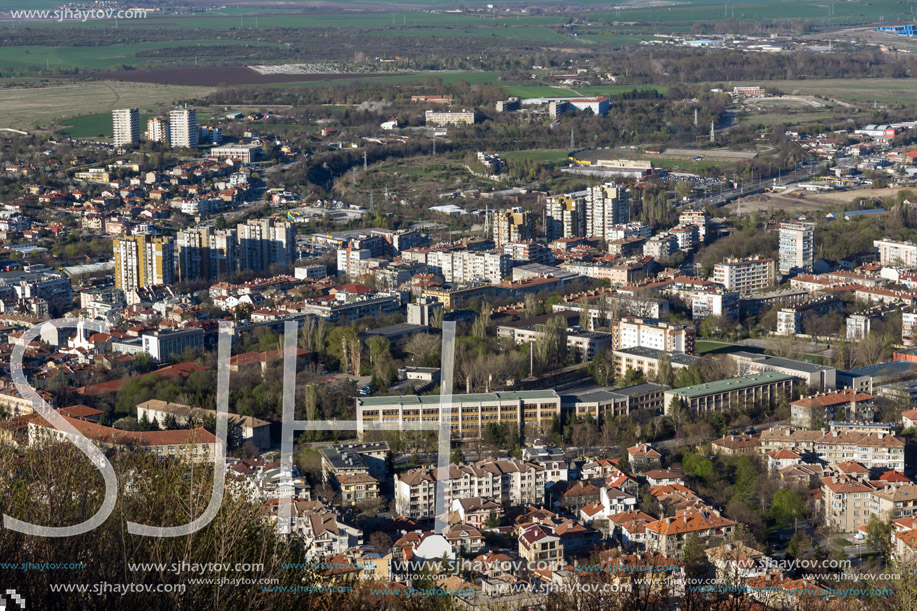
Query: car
(859, 536)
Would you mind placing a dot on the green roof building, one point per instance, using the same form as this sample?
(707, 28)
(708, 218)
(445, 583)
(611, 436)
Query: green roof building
(733, 392)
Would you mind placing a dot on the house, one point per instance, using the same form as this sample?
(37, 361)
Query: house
(732, 445)
(538, 544)
(629, 528)
(476, 511)
(464, 539)
(736, 562)
(357, 488)
(668, 535)
(777, 460)
(661, 477)
(909, 419)
(324, 534)
(643, 457)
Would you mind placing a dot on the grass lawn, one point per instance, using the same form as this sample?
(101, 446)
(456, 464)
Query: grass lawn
(842, 542)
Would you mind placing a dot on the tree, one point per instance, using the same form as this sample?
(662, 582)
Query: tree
(879, 535)
(787, 506)
(664, 373)
(424, 349)
(381, 542)
(492, 520)
(378, 349)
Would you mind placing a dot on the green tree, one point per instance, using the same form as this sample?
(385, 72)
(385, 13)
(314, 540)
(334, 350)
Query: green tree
(879, 535)
(787, 506)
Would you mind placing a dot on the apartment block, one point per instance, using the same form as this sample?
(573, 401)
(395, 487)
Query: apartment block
(746, 275)
(873, 450)
(848, 503)
(158, 130)
(733, 392)
(796, 247)
(206, 253)
(791, 320)
(443, 118)
(125, 126)
(606, 205)
(162, 345)
(183, 131)
(846, 404)
(143, 260)
(159, 412)
(565, 216)
(467, 414)
(265, 242)
(895, 253)
(632, 331)
(647, 360)
(508, 481)
(513, 225)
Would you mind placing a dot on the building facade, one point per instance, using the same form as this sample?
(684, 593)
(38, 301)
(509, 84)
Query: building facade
(143, 260)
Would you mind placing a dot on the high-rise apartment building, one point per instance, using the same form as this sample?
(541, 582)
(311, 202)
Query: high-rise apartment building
(566, 216)
(158, 130)
(143, 260)
(205, 253)
(263, 242)
(606, 205)
(513, 225)
(183, 126)
(745, 275)
(125, 126)
(797, 247)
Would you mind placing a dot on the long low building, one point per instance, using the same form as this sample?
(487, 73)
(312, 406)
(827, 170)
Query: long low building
(821, 377)
(160, 412)
(872, 450)
(468, 414)
(640, 358)
(732, 392)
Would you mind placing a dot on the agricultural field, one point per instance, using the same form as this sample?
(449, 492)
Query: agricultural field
(29, 107)
(102, 57)
(862, 90)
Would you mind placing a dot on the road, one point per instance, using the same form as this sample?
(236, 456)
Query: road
(757, 186)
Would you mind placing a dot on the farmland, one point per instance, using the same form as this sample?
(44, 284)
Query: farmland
(26, 108)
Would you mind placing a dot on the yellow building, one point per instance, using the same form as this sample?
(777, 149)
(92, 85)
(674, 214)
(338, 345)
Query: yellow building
(143, 260)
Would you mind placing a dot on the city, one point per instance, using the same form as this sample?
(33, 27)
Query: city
(458, 306)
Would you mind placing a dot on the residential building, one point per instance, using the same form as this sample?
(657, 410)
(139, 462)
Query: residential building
(661, 246)
(539, 545)
(909, 326)
(265, 242)
(731, 393)
(734, 445)
(821, 377)
(796, 247)
(183, 131)
(125, 126)
(325, 534)
(792, 320)
(513, 225)
(847, 503)
(845, 404)
(698, 218)
(724, 304)
(443, 118)
(357, 489)
(158, 130)
(643, 457)
(633, 331)
(355, 458)
(159, 412)
(565, 216)
(873, 450)
(143, 261)
(894, 253)
(668, 535)
(206, 253)
(508, 481)
(860, 324)
(606, 205)
(348, 306)
(746, 275)
(468, 413)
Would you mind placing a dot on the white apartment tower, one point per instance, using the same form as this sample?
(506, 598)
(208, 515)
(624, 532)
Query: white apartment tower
(126, 126)
(797, 247)
(183, 126)
(606, 205)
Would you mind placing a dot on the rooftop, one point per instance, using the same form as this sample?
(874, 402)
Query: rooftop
(700, 390)
(526, 395)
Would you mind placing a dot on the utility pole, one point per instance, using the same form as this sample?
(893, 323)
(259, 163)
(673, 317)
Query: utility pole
(695, 117)
(531, 360)
(434, 146)
(572, 141)
(712, 133)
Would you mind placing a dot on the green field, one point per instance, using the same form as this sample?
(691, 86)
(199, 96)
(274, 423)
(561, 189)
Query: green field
(883, 90)
(12, 58)
(535, 34)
